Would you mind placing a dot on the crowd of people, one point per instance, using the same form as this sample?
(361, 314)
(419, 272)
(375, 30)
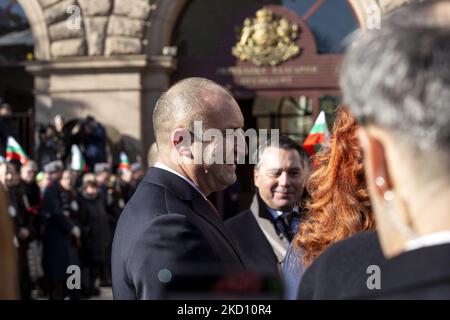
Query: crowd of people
(64, 214)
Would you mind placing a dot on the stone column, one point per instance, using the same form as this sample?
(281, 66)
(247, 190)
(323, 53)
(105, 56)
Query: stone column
(155, 80)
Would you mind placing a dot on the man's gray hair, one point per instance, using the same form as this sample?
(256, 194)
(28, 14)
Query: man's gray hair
(398, 77)
(185, 102)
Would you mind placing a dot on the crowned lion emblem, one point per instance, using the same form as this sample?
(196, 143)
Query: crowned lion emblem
(267, 40)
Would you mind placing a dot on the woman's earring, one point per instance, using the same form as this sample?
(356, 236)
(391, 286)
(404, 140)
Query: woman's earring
(389, 197)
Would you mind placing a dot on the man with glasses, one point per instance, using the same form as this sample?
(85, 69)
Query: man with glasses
(265, 230)
(169, 229)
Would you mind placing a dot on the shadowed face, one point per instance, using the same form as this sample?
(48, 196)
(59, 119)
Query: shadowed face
(66, 180)
(28, 173)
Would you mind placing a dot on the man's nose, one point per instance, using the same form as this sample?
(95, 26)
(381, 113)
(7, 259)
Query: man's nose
(283, 179)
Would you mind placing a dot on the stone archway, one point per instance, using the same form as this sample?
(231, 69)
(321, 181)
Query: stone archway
(36, 19)
(120, 27)
(160, 31)
(107, 28)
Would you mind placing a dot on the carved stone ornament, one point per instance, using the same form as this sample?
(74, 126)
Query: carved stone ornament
(267, 39)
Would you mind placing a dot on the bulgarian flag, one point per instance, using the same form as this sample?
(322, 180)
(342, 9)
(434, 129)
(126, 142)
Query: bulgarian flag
(15, 152)
(124, 162)
(317, 136)
(77, 163)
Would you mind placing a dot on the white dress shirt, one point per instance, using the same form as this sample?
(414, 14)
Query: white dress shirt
(276, 213)
(428, 240)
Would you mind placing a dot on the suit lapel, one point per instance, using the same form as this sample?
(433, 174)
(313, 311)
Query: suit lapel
(201, 206)
(266, 223)
(187, 193)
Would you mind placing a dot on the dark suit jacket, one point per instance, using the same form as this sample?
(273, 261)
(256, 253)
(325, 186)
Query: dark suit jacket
(251, 229)
(330, 275)
(167, 229)
(418, 274)
(57, 237)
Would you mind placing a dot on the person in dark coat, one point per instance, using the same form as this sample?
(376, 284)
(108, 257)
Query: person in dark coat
(261, 231)
(61, 233)
(169, 229)
(32, 200)
(396, 82)
(95, 234)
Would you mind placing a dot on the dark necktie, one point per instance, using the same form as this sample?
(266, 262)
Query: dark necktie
(284, 222)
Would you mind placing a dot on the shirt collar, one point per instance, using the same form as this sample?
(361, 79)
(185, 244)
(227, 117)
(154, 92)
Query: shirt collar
(276, 213)
(164, 167)
(428, 240)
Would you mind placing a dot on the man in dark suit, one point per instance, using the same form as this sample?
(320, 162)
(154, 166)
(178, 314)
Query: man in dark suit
(169, 229)
(265, 230)
(396, 81)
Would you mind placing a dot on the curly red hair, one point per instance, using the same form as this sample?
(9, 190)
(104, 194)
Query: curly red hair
(339, 204)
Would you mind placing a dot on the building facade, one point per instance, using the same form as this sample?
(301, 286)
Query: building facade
(113, 58)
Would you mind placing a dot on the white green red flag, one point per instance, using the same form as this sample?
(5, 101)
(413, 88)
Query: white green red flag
(15, 152)
(124, 162)
(317, 136)
(77, 162)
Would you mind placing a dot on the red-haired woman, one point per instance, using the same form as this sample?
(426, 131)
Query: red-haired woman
(339, 203)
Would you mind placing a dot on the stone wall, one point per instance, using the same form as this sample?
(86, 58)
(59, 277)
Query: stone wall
(106, 28)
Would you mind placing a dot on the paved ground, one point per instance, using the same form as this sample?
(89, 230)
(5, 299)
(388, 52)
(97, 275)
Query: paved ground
(105, 294)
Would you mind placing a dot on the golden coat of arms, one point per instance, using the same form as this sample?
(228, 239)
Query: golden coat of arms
(267, 40)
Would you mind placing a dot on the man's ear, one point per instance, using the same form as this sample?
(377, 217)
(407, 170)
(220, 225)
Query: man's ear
(255, 177)
(181, 142)
(375, 158)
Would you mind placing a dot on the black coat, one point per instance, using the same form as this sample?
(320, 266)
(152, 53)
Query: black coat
(57, 239)
(413, 275)
(95, 229)
(166, 229)
(330, 275)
